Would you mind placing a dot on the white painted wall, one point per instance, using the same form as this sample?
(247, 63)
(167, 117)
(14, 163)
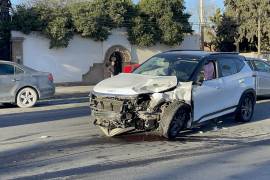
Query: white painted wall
(191, 42)
(69, 64)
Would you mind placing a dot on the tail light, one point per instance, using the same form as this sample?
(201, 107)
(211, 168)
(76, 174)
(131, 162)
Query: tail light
(50, 77)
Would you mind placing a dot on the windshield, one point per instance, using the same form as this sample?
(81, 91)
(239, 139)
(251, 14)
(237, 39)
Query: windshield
(181, 67)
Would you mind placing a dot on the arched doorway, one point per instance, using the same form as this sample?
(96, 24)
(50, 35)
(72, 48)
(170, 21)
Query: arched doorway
(121, 57)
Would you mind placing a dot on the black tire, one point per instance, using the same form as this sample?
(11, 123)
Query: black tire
(173, 119)
(26, 98)
(245, 110)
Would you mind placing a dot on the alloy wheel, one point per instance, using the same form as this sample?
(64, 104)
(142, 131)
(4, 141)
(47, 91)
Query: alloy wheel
(247, 108)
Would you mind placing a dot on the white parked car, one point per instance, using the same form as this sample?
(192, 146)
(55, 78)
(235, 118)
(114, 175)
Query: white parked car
(173, 91)
(261, 70)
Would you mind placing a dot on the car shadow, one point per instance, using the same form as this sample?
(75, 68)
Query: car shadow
(261, 113)
(17, 119)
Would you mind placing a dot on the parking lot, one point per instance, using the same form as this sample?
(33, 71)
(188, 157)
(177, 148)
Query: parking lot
(57, 140)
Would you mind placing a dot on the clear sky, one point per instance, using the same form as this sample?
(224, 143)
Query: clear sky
(192, 7)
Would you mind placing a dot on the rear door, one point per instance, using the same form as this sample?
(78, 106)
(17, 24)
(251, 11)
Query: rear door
(7, 82)
(234, 82)
(263, 77)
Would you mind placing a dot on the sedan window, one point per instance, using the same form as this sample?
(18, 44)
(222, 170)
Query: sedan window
(262, 66)
(18, 71)
(6, 69)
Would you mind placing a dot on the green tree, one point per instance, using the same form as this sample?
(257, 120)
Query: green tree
(225, 31)
(247, 13)
(168, 19)
(143, 31)
(149, 22)
(59, 28)
(54, 22)
(96, 19)
(27, 19)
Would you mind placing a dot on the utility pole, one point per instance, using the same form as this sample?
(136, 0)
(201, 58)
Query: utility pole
(237, 40)
(259, 31)
(202, 23)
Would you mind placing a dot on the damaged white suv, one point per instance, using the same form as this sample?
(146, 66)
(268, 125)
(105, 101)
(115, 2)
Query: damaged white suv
(174, 91)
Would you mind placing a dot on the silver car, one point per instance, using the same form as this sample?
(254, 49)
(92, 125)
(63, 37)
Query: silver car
(24, 86)
(261, 71)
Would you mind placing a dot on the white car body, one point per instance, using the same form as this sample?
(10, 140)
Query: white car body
(261, 69)
(208, 100)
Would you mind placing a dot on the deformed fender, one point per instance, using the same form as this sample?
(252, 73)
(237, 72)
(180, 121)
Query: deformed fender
(182, 92)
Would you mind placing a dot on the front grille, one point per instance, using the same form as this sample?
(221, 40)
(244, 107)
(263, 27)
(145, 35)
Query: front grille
(107, 104)
(110, 105)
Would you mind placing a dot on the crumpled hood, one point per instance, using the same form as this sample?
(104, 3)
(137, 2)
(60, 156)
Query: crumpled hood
(134, 84)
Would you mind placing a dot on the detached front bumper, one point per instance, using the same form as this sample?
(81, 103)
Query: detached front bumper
(112, 112)
(107, 118)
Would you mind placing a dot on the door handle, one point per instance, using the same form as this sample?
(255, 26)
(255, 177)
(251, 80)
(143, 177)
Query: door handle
(15, 80)
(218, 88)
(241, 81)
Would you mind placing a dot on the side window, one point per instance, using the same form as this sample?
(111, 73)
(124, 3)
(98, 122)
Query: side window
(6, 69)
(250, 64)
(18, 71)
(240, 64)
(207, 71)
(261, 66)
(227, 67)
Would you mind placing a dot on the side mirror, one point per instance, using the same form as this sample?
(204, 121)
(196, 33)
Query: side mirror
(199, 83)
(200, 78)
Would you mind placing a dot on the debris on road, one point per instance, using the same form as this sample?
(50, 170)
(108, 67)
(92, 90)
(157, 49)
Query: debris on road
(44, 137)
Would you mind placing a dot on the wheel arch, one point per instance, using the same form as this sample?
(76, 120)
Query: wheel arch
(168, 115)
(249, 91)
(27, 86)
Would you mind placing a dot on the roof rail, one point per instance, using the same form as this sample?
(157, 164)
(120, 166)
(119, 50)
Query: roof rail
(173, 50)
(216, 53)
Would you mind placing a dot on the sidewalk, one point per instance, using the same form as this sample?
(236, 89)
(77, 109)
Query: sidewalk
(72, 91)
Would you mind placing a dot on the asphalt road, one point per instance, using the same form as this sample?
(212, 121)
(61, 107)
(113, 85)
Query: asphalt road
(61, 143)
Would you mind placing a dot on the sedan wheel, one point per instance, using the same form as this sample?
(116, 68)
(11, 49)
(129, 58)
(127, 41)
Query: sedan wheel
(27, 98)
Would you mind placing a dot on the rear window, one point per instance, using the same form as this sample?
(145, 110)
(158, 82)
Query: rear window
(250, 64)
(240, 64)
(227, 67)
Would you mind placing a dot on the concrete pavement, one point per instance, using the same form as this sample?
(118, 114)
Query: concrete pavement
(72, 91)
(62, 144)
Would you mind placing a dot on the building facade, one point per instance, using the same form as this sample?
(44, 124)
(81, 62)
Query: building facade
(85, 60)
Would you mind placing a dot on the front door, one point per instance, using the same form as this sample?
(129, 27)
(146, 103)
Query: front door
(206, 95)
(7, 82)
(205, 98)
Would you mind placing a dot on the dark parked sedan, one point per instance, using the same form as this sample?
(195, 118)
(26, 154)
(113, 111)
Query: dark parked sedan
(24, 86)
